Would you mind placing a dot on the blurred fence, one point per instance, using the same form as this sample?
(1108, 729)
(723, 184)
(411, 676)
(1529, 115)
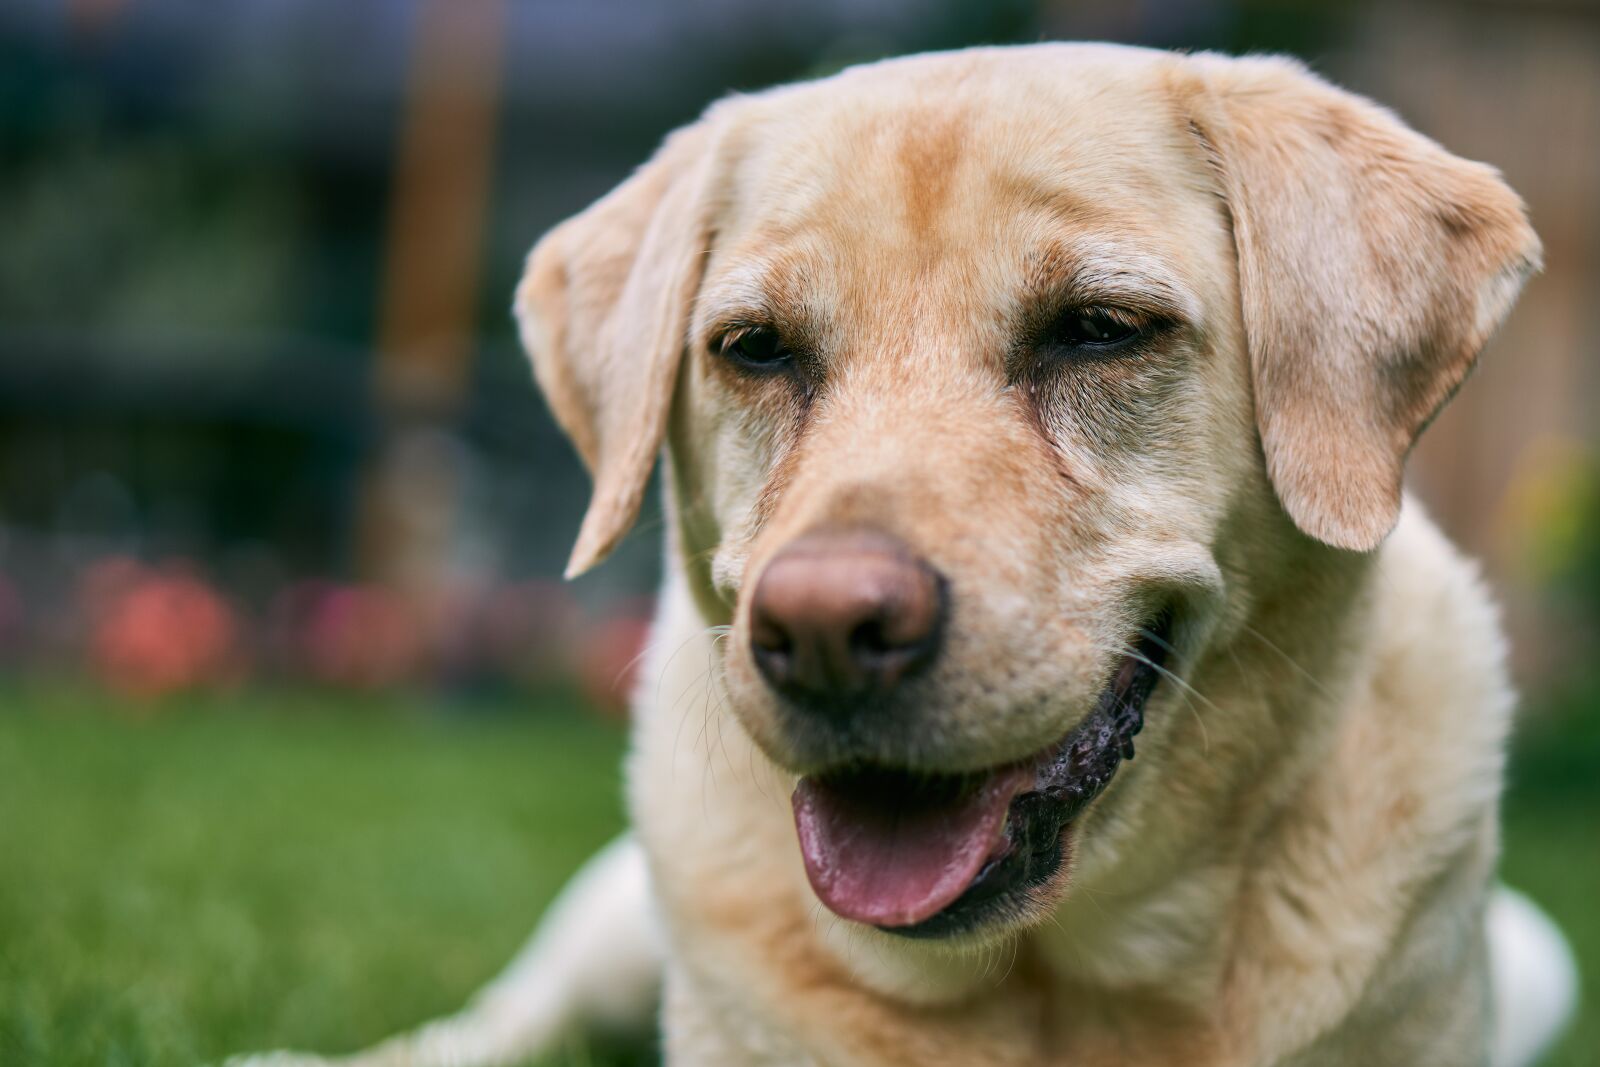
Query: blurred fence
(1509, 468)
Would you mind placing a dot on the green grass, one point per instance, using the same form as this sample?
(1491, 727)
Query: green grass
(250, 871)
(255, 870)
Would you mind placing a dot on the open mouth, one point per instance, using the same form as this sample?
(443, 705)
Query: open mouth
(932, 855)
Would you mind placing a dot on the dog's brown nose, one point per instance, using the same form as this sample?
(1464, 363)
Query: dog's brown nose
(841, 614)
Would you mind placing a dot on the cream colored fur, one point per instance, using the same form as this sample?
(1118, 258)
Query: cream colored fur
(1296, 868)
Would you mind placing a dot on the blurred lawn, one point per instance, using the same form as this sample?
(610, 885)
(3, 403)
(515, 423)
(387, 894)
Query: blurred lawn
(247, 871)
(1552, 839)
(254, 870)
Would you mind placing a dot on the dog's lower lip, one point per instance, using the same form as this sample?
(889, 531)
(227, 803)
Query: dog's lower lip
(1046, 792)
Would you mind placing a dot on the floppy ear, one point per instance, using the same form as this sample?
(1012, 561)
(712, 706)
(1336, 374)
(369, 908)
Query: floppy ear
(1373, 265)
(603, 309)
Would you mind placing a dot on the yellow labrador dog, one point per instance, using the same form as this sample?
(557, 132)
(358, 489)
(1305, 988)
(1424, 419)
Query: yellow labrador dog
(1027, 411)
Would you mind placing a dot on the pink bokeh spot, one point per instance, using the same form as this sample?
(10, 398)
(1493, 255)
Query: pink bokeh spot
(154, 631)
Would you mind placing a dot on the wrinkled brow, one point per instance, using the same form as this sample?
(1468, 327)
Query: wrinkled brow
(1107, 272)
(1080, 271)
(761, 289)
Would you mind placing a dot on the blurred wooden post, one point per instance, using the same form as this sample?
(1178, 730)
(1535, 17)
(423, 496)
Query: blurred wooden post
(92, 18)
(428, 302)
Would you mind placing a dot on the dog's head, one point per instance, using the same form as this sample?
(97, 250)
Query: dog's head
(995, 383)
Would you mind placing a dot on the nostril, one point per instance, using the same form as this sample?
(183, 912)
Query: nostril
(768, 636)
(885, 649)
(772, 647)
(871, 638)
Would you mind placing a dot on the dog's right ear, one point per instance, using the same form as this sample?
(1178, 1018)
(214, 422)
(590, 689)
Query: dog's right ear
(603, 309)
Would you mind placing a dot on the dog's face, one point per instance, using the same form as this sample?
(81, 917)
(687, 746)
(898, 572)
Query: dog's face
(996, 384)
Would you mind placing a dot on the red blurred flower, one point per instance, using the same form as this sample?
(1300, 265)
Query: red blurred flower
(156, 631)
(360, 636)
(13, 618)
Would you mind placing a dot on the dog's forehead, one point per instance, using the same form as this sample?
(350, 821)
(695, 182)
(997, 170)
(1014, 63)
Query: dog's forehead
(917, 128)
(950, 174)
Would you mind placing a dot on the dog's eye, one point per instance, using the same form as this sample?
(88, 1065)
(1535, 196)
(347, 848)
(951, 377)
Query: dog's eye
(757, 346)
(1093, 328)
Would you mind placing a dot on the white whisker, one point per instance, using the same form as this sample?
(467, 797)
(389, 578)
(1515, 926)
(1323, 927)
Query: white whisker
(1290, 660)
(1183, 685)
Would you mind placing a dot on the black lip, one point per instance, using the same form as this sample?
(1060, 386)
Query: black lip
(1076, 771)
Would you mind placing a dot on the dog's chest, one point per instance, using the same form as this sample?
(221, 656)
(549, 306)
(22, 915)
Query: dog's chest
(790, 1004)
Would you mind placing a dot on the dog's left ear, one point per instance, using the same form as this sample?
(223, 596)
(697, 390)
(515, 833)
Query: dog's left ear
(1373, 265)
(603, 309)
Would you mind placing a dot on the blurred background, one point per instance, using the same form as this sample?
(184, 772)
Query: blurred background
(298, 726)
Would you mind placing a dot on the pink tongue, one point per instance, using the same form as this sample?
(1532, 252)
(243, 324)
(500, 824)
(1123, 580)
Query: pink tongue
(891, 859)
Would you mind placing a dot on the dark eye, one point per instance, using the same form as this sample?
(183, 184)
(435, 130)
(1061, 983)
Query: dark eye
(758, 346)
(1092, 328)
